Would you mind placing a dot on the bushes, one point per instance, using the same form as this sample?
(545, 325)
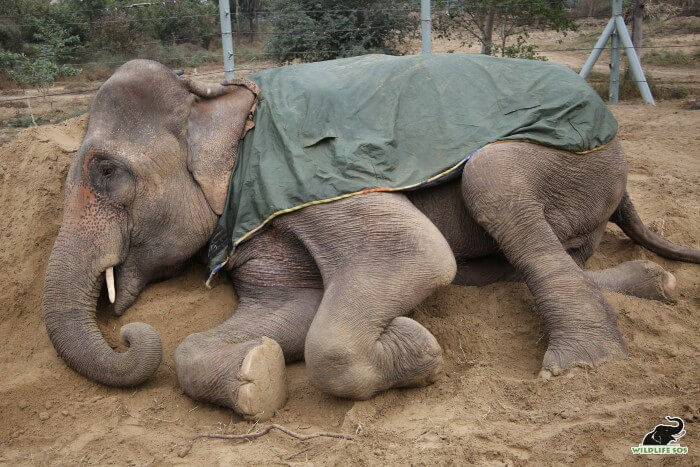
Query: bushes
(41, 41)
(665, 58)
(325, 29)
(44, 62)
(628, 87)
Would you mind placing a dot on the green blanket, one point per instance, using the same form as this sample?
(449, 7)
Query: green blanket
(333, 129)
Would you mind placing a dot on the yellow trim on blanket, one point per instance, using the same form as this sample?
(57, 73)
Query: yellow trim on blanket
(597, 148)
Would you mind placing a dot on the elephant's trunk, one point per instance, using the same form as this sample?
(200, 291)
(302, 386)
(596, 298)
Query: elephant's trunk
(680, 426)
(71, 289)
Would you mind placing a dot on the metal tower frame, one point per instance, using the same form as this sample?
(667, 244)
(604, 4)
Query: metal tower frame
(617, 30)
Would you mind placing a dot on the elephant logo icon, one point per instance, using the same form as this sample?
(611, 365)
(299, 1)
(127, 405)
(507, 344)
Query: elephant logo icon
(663, 435)
(663, 439)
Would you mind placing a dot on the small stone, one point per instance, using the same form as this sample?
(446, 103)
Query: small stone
(64, 413)
(48, 405)
(182, 452)
(23, 404)
(43, 416)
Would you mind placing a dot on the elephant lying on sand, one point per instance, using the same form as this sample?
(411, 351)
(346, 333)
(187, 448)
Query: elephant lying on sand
(331, 283)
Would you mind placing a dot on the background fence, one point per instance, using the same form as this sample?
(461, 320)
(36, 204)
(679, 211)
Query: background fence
(186, 34)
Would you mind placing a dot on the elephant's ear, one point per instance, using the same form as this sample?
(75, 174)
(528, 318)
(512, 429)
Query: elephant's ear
(220, 117)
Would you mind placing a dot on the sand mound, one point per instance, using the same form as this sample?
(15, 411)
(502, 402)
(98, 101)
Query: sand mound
(487, 409)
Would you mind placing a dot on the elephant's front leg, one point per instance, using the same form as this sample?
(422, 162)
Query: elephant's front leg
(241, 363)
(379, 257)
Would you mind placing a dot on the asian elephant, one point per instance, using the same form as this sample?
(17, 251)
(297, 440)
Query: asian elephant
(331, 284)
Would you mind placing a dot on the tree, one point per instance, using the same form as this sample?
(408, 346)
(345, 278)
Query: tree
(326, 29)
(478, 20)
(248, 9)
(51, 47)
(637, 20)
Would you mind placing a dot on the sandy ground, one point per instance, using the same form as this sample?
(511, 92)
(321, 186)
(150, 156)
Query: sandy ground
(488, 408)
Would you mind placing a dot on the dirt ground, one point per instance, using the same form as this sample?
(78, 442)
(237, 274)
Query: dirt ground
(488, 408)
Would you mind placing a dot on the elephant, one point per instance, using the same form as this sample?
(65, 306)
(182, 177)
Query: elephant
(662, 435)
(331, 284)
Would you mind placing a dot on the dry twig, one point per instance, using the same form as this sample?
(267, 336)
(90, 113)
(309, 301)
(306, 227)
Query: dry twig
(267, 429)
(297, 453)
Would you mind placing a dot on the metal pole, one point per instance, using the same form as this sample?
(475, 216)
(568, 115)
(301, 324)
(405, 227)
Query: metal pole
(595, 53)
(614, 88)
(614, 91)
(635, 64)
(226, 38)
(425, 25)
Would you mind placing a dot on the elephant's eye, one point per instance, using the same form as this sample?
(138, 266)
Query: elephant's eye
(113, 179)
(106, 169)
(108, 175)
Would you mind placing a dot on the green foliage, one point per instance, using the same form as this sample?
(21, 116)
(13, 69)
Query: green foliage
(665, 58)
(520, 49)
(71, 114)
(189, 21)
(10, 35)
(39, 39)
(468, 20)
(25, 122)
(249, 10)
(117, 26)
(313, 30)
(45, 60)
(180, 55)
(628, 87)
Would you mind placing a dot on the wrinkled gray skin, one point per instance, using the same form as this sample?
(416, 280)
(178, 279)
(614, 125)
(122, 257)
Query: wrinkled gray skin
(331, 284)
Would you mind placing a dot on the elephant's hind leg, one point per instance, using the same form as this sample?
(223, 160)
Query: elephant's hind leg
(379, 257)
(641, 278)
(241, 363)
(503, 195)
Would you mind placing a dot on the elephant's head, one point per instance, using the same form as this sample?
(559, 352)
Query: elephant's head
(142, 196)
(664, 434)
(669, 432)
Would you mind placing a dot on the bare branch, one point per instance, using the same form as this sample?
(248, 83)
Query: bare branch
(267, 429)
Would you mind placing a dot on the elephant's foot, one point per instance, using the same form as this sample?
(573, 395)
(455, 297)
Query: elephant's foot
(580, 353)
(652, 281)
(643, 279)
(264, 387)
(405, 354)
(248, 377)
(415, 366)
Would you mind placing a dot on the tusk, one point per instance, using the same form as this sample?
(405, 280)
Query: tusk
(109, 275)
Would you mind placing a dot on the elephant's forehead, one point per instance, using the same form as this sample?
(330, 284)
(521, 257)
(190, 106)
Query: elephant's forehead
(139, 105)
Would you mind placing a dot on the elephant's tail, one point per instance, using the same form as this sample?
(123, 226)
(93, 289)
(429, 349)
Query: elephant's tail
(626, 217)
